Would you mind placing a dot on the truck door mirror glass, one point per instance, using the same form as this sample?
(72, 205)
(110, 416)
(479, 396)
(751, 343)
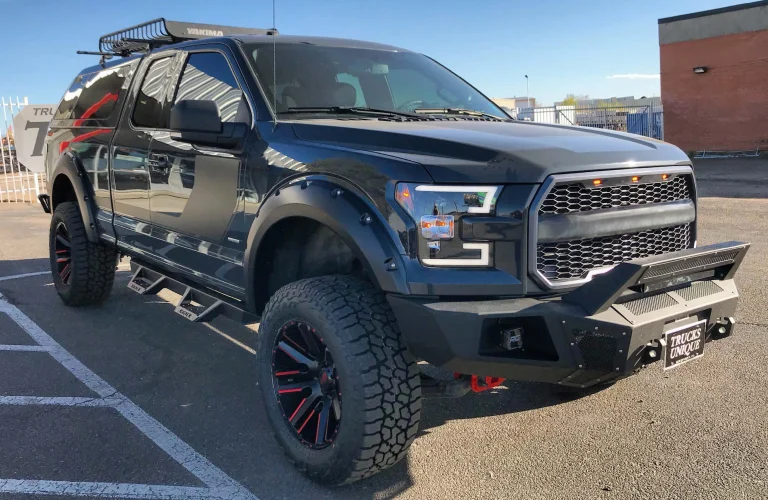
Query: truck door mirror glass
(196, 116)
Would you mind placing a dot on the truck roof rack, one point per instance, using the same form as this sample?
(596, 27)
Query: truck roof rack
(158, 32)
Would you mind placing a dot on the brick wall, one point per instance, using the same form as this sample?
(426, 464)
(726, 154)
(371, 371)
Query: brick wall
(725, 108)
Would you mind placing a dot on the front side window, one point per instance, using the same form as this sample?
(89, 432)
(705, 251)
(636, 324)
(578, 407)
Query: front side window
(304, 76)
(148, 111)
(207, 76)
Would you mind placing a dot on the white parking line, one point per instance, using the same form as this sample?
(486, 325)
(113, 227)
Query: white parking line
(14, 347)
(231, 339)
(104, 490)
(65, 401)
(25, 275)
(219, 484)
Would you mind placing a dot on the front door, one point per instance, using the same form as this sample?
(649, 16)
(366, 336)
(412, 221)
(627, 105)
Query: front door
(194, 189)
(130, 149)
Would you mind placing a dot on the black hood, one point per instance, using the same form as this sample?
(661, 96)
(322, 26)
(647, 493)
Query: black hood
(494, 152)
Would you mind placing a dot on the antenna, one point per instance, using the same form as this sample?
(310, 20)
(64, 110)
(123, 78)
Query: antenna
(274, 69)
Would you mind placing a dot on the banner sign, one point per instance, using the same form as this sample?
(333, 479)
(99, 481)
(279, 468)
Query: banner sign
(30, 126)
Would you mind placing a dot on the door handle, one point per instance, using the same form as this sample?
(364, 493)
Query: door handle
(159, 163)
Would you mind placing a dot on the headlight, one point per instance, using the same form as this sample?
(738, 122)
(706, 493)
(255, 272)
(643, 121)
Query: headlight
(436, 211)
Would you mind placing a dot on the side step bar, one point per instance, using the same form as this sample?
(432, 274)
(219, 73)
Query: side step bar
(194, 305)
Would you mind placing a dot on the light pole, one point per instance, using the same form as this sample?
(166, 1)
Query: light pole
(527, 92)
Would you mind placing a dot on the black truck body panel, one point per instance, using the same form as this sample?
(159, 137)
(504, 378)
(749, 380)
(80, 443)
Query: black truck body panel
(496, 153)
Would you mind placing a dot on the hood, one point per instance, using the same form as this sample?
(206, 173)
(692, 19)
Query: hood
(494, 152)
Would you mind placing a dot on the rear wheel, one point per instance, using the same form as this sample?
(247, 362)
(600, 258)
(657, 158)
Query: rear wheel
(342, 392)
(83, 272)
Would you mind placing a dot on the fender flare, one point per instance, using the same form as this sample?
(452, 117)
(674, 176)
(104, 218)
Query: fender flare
(69, 166)
(344, 209)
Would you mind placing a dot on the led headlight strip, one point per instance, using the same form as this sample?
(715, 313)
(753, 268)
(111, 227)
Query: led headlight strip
(485, 250)
(490, 192)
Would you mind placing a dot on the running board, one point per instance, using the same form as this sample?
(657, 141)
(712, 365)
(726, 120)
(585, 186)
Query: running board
(194, 305)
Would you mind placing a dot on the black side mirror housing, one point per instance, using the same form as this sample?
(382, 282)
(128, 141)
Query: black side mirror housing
(199, 123)
(196, 116)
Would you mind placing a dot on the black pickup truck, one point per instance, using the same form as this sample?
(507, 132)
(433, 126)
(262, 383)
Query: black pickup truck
(375, 211)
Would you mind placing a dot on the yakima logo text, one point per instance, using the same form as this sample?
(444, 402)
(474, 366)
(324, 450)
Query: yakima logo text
(204, 32)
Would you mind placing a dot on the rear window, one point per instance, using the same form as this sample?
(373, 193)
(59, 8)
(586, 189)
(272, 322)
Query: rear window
(93, 99)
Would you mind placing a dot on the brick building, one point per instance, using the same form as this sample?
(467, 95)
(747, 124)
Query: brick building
(714, 78)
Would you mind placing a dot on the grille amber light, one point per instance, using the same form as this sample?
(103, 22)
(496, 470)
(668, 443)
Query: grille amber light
(664, 177)
(597, 182)
(635, 178)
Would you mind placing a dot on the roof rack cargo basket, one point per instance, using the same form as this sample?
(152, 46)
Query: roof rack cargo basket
(158, 32)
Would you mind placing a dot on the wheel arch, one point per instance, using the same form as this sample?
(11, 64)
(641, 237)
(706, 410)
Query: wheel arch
(69, 183)
(345, 210)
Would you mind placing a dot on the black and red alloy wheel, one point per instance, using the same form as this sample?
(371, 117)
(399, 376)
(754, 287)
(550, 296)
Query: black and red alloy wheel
(306, 384)
(63, 248)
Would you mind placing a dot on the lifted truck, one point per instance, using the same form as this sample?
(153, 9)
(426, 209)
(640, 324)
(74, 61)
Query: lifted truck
(373, 209)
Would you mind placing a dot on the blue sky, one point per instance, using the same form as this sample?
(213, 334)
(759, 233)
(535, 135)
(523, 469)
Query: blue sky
(602, 48)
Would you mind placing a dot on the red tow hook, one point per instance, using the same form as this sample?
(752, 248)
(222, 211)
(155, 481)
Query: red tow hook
(480, 384)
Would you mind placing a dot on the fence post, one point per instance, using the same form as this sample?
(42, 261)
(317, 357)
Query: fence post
(10, 158)
(2, 158)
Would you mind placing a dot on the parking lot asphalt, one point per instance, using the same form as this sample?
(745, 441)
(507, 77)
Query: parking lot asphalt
(168, 407)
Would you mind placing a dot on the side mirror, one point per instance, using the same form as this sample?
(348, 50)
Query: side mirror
(196, 116)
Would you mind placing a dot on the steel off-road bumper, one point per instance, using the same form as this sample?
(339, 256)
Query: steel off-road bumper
(603, 330)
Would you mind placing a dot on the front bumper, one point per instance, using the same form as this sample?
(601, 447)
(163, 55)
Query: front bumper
(601, 331)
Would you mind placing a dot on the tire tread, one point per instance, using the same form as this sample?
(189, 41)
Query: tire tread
(373, 345)
(93, 264)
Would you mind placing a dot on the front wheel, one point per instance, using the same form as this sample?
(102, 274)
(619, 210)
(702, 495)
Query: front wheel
(341, 390)
(83, 272)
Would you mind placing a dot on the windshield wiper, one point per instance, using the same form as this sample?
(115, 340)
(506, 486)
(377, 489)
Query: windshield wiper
(352, 110)
(457, 111)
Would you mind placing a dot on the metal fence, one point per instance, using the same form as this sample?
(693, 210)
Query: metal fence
(646, 120)
(17, 184)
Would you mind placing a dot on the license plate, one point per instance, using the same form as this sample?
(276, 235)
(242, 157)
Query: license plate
(684, 344)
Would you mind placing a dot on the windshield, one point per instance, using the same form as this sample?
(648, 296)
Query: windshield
(311, 76)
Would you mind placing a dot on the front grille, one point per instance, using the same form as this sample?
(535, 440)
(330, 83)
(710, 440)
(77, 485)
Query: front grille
(570, 260)
(577, 197)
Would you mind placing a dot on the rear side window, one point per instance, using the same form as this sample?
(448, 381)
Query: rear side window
(148, 111)
(207, 76)
(67, 104)
(96, 96)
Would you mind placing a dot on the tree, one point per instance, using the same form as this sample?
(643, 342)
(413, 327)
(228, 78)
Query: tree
(570, 100)
(573, 99)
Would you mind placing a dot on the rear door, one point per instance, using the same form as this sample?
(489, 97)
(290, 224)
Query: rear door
(194, 194)
(83, 126)
(130, 150)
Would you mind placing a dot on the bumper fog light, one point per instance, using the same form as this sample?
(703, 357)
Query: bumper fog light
(512, 339)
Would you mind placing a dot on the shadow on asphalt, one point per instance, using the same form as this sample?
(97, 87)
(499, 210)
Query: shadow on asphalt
(512, 397)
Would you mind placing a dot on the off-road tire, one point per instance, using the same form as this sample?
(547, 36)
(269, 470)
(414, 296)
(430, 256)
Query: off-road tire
(379, 379)
(93, 264)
